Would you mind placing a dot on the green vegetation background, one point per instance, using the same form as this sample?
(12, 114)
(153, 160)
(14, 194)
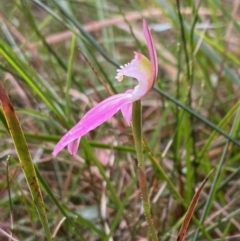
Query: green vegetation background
(55, 56)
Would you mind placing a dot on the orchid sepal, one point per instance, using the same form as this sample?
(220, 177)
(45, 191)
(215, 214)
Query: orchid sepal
(140, 68)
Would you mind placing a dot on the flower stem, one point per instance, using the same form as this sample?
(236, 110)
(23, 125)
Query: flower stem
(137, 133)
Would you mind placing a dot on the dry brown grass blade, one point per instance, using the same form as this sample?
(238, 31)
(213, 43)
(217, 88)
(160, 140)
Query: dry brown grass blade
(190, 210)
(106, 86)
(115, 20)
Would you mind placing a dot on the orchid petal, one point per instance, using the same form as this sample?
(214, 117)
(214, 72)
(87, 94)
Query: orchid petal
(140, 68)
(127, 110)
(73, 146)
(92, 119)
(151, 48)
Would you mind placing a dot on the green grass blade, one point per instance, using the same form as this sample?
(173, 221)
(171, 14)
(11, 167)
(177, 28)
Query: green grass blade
(25, 159)
(71, 217)
(21, 68)
(213, 189)
(69, 74)
(68, 13)
(198, 116)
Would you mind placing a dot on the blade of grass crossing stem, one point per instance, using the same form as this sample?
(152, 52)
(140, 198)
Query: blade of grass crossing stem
(190, 210)
(196, 115)
(24, 158)
(69, 74)
(108, 88)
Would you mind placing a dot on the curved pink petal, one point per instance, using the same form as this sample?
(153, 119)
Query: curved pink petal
(127, 110)
(92, 119)
(140, 68)
(73, 146)
(151, 48)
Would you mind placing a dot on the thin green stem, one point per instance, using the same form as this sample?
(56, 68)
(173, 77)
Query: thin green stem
(137, 133)
(69, 74)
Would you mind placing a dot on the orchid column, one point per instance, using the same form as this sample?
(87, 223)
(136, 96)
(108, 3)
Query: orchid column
(145, 72)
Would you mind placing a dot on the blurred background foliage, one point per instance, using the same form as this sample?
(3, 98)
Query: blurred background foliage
(56, 59)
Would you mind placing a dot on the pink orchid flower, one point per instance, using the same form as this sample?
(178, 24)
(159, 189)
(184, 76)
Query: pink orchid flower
(140, 68)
